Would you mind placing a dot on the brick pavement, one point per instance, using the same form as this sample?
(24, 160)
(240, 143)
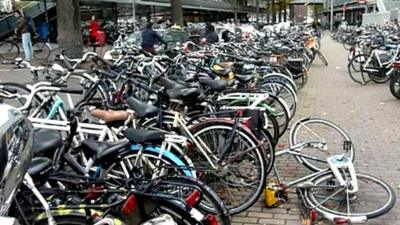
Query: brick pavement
(369, 115)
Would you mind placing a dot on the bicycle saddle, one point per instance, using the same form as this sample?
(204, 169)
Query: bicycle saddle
(184, 94)
(215, 85)
(46, 142)
(142, 136)
(169, 84)
(40, 168)
(101, 150)
(109, 116)
(142, 109)
(243, 78)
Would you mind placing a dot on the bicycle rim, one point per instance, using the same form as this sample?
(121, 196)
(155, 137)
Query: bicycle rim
(373, 198)
(239, 183)
(315, 129)
(9, 51)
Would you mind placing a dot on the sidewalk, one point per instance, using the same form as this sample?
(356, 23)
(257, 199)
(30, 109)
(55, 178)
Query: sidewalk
(370, 115)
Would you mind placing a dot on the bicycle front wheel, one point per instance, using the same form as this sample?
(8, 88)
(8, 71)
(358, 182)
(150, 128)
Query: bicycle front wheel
(240, 178)
(331, 137)
(373, 198)
(41, 50)
(9, 50)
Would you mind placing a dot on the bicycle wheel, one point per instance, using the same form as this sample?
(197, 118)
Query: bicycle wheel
(41, 50)
(240, 178)
(149, 164)
(9, 50)
(283, 91)
(22, 94)
(182, 187)
(373, 198)
(395, 85)
(355, 69)
(332, 138)
(324, 61)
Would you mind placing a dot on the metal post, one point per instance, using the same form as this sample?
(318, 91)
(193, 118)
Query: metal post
(331, 15)
(45, 11)
(134, 10)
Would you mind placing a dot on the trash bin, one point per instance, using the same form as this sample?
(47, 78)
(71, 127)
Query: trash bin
(43, 31)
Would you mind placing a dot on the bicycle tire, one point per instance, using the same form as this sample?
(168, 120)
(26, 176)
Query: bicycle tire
(355, 71)
(324, 61)
(10, 46)
(284, 91)
(395, 85)
(360, 203)
(41, 50)
(219, 208)
(256, 153)
(323, 154)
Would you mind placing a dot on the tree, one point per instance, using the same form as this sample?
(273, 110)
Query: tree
(176, 12)
(69, 27)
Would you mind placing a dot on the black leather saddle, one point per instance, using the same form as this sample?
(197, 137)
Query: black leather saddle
(100, 150)
(142, 136)
(45, 142)
(184, 94)
(215, 85)
(40, 168)
(142, 109)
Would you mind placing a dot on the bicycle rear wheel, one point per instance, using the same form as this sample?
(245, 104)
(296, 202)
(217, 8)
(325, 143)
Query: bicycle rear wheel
(9, 50)
(395, 85)
(356, 71)
(373, 198)
(331, 136)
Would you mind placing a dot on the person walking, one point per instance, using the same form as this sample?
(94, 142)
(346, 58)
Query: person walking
(25, 28)
(93, 28)
(211, 35)
(150, 38)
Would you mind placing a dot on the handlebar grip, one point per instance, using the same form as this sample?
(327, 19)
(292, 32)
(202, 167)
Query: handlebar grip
(57, 84)
(8, 62)
(11, 90)
(71, 90)
(108, 63)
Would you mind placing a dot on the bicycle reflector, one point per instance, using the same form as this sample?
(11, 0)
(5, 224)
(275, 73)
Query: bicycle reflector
(396, 65)
(129, 205)
(339, 220)
(313, 216)
(193, 198)
(210, 220)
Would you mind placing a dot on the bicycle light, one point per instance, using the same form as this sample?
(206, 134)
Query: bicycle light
(193, 198)
(129, 205)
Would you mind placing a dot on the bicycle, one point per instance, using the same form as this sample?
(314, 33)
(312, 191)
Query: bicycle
(334, 189)
(10, 48)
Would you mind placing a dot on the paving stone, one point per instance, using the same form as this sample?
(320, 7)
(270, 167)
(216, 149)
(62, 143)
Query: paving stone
(369, 114)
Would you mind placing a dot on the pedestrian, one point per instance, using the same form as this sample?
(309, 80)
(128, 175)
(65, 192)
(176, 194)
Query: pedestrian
(211, 35)
(150, 38)
(226, 35)
(93, 28)
(25, 28)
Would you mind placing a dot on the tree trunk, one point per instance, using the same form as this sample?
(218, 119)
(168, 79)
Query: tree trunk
(273, 11)
(280, 11)
(235, 10)
(258, 11)
(285, 7)
(69, 28)
(176, 12)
